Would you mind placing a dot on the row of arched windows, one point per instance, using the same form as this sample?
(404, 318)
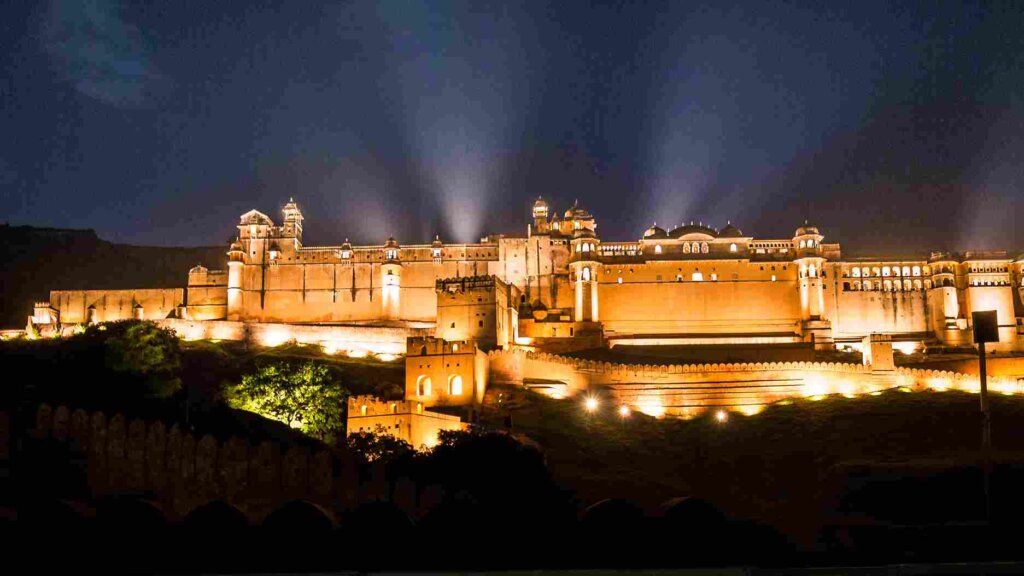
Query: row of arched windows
(866, 271)
(424, 385)
(587, 247)
(887, 285)
(695, 247)
(808, 243)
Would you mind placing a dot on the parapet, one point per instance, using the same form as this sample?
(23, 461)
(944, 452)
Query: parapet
(467, 283)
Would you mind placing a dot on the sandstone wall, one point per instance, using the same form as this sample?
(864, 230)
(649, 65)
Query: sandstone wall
(684, 390)
(157, 303)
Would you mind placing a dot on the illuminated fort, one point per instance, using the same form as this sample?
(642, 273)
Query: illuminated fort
(561, 287)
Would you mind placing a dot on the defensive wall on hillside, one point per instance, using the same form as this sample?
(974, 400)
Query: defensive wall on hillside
(177, 472)
(684, 390)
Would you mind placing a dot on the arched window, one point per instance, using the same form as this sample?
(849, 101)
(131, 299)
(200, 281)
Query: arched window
(865, 272)
(906, 270)
(917, 284)
(732, 247)
(927, 284)
(887, 285)
(686, 247)
(895, 270)
(812, 271)
(586, 274)
(697, 277)
(878, 285)
(657, 249)
(704, 248)
(916, 270)
(455, 385)
(803, 244)
(927, 271)
(856, 272)
(876, 271)
(907, 286)
(423, 385)
(585, 247)
(856, 284)
(886, 271)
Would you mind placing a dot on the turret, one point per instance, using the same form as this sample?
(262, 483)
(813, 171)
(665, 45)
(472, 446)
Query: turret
(811, 272)
(584, 265)
(236, 259)
(436, 250)
(540, 216)
(391, 280)
(292, 220)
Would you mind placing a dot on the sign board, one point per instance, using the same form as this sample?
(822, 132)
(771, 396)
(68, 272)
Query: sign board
(986, 326)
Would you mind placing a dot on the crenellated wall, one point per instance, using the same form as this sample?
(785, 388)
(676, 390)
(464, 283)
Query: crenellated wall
(684, 390)
(350, 338)
(182, 471)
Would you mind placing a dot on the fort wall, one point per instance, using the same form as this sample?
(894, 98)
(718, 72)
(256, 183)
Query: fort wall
(357, 339)
(182, 472)
(107, 305)
(684, 390)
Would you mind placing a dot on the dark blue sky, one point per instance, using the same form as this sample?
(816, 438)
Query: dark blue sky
(160, 125)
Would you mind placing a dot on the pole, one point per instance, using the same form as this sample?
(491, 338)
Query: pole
(986, 432)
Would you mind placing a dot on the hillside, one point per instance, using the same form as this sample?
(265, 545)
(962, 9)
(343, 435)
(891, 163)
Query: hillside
(790, 466)
(37, 260)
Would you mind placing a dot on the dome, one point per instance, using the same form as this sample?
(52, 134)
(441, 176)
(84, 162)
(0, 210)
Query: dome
(655, 232)
(540, 206)
(730, 231)
(255, 217)
(691, 228)
(577, 213)
(437, 242)
(198, 269)
(391, 243)
(235, 247)
(807, 228)
(346, 245)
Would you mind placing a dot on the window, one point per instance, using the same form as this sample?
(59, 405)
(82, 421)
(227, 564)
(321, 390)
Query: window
(436, 252)
(906, 271)
(423, 386)
(455, 347)
(773, 277)
(704, 248)
(803, 244)
(252, 230)
(856, 272)
(686, 247)
(455, 385)
(274, 254)
(619, 280)
(586, 274)
(480, 323)
(697, 277)
(714, 277)
(886, 271)
(346, 254)
(679, 277)
(362, 409)
(657, 249)
(812, 271)
(732, 247)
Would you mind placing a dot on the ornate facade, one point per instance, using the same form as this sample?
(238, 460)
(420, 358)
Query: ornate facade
(562, 285)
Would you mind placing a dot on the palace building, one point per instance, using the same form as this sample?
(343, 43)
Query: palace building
(562, 286)
(506, 309)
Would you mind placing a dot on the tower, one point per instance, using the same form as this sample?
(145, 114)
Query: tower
(810, 264)
(391, 281)
(292, 221)
(584, 266)
(235, 264)
(540, 216)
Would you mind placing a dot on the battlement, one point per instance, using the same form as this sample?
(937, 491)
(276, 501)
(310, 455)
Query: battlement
(467, 283)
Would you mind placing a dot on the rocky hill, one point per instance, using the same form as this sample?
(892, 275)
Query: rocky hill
(37, 260)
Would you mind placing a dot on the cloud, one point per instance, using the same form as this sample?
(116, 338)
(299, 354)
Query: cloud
(101, 55)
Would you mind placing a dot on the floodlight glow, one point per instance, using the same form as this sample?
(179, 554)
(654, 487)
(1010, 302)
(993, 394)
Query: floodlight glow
(590, 404)
(624, 411)
(721, 415)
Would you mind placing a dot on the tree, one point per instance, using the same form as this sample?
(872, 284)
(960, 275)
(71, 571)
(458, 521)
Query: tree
(144, 352)
(378, 445)
(300, 395)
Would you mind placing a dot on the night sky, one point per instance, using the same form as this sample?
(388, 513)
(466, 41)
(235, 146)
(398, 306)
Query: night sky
(895, 126)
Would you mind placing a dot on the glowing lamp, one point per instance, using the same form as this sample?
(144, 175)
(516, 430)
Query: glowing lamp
(590, 404)
(623, 411)
(721, 415)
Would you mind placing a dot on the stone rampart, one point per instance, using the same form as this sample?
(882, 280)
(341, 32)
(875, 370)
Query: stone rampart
(685, 389)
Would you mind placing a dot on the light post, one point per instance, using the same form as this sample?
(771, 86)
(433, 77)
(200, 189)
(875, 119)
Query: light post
(986, 329)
